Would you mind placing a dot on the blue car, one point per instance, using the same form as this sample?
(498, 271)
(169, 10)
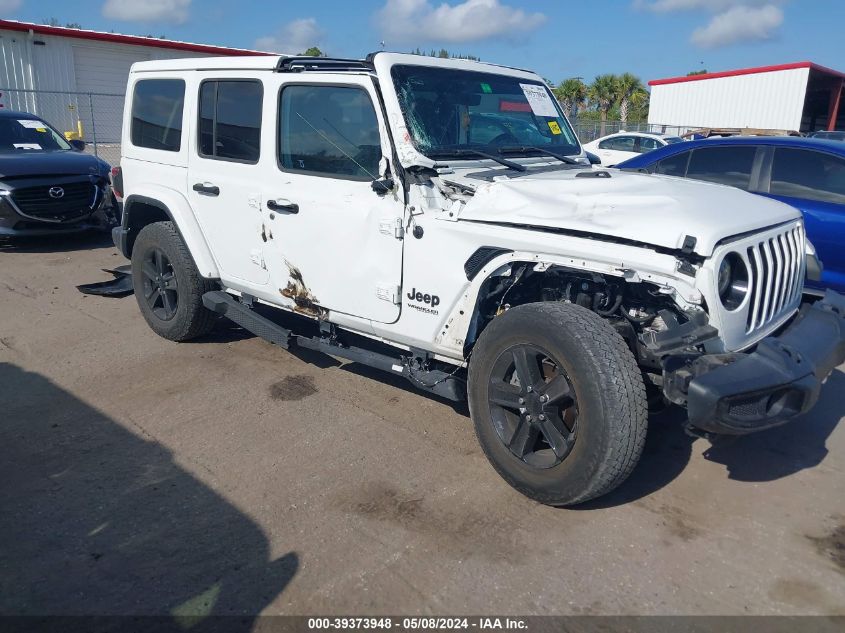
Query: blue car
(807, 173)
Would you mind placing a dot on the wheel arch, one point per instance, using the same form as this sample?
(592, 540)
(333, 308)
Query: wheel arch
(162, 205)
(465, 323)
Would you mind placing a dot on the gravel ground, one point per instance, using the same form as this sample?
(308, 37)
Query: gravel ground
(142, 476)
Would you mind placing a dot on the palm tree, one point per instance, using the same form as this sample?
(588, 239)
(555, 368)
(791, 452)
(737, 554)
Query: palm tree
(639, 104)
(604, 93)
(571, 93)
(628, 86)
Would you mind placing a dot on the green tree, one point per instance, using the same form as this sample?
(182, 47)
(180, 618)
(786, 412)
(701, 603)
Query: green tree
(571, 94)
(314, 52)
(639, 106)
(604, 93)
(627, 85)
(55, 22)
(692, 73)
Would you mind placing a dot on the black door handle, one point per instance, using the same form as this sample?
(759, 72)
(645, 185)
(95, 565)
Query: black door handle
(211, 190)
(284, 208)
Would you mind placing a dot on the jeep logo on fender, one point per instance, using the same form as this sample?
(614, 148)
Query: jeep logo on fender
(432, 300)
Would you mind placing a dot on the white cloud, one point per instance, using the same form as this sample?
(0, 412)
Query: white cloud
(168, 11)
(739, 24)
(293, 38)
(8, 6)
(733, 21)
(413, 21)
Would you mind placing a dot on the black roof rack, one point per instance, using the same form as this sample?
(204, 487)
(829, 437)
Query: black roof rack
(325, 64)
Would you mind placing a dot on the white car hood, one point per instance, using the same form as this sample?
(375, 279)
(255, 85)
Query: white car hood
(656, 210)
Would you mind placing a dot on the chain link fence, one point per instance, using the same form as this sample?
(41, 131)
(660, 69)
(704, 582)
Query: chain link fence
(589, 131)
(95, 118)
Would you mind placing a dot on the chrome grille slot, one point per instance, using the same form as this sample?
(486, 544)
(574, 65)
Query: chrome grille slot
(776, 271)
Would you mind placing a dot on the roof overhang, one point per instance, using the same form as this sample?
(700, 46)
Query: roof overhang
(747, 71)
(117, 38)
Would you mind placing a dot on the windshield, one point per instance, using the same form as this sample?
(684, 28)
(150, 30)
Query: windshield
(448, 111)
(26, 135)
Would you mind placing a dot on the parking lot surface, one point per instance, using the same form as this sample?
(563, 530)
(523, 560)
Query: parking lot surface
(141, 476)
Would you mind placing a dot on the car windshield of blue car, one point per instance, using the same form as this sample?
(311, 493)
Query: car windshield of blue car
(29, 135)
(453, 113)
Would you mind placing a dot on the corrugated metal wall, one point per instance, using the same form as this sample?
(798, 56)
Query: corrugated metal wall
(771, 100)
(68, 68)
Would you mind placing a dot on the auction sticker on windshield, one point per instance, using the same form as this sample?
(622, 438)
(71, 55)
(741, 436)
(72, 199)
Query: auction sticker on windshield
(32, 123)
(539, 100)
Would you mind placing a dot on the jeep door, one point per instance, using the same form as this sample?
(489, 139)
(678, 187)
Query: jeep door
(224, 172)
(333, 242)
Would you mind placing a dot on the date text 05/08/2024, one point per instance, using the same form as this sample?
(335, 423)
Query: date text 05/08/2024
(417, 623)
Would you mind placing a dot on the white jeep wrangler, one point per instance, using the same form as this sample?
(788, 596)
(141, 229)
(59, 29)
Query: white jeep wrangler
(445, 208)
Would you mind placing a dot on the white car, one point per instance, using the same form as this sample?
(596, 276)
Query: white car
(438, 219)
(616, 148)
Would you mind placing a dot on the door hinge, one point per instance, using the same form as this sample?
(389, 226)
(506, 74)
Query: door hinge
(390, 293)
(393, 226)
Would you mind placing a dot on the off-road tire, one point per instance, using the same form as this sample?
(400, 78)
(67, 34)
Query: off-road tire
(191, 319)
(611, 401)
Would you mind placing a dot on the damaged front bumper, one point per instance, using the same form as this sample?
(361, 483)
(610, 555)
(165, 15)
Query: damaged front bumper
(746, 392)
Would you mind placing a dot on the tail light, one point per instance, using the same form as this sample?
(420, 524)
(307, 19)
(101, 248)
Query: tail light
(117, 181)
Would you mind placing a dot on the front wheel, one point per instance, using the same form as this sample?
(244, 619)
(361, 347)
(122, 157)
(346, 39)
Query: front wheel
(558, 402)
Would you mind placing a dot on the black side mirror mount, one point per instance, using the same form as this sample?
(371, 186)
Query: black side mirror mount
(384, 185)
(78, 144)
(594, 160)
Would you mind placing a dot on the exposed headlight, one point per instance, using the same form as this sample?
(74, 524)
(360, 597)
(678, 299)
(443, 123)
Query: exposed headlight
(732, 281)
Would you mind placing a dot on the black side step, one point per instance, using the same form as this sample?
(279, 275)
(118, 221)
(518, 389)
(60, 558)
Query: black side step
(439, 382)
(223, 303)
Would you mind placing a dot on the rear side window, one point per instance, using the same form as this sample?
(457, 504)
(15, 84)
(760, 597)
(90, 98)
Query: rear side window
(724, 165)
(647, 144)
(157, 106)
(618, 143)
(673, 165)
(802, 173)
(329, 130)
(230, 120)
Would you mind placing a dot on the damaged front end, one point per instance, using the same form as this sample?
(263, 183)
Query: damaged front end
(740, 393)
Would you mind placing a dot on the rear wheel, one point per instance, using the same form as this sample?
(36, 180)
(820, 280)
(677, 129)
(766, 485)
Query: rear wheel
(168, 286)
(558, 402)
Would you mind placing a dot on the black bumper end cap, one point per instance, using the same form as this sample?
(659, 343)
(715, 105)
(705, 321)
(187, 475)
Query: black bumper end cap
(778, 381)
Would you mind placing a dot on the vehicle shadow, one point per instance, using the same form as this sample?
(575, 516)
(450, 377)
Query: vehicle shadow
(759, 457)
(787, 449)
(60, 243)
(98, 520)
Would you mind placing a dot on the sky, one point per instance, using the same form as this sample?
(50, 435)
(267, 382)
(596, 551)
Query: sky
(556, 38)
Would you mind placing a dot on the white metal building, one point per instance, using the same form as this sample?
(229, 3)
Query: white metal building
(799, 97)
(71, 63)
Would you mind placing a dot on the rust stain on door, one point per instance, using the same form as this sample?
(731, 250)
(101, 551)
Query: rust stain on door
(298, 292)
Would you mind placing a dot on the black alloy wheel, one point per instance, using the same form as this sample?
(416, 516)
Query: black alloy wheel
(161, 290)
(533, 406)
